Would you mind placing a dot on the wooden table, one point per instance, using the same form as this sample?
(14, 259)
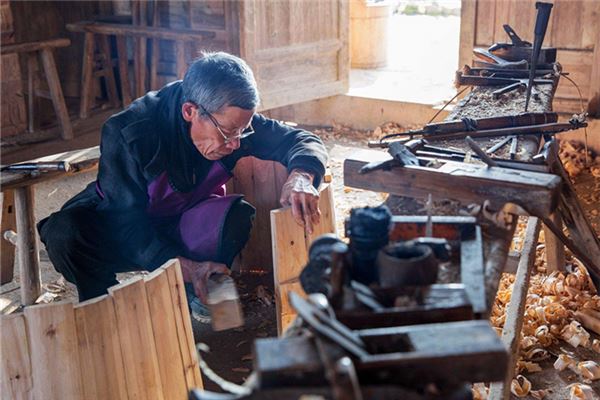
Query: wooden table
(18, 213)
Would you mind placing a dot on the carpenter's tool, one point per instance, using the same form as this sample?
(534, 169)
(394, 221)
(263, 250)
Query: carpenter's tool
(470, 124)
(493, 59)
(506, 73)
(36, 167)
(499, 145)
(513, 147)
(519, 49)
(541, 23)
(223, 303)
(542, 129)
(402, 154)
(482, 155)
(510, 83)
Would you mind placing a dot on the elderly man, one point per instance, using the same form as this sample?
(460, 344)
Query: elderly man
(160, 191)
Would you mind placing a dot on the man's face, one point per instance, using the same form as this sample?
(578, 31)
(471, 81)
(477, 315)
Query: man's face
(207, 134)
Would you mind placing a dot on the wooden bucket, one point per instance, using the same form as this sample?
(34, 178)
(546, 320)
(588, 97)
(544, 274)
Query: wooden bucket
(369, 34)
(134, 343)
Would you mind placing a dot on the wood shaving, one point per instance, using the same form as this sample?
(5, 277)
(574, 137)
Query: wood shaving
(480, 391)
(578, 391)
(538, 394)
(573, 157)
(520, 386)
(588, 370)
(563, 362)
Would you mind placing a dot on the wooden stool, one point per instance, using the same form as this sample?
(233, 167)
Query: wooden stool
(44, 50)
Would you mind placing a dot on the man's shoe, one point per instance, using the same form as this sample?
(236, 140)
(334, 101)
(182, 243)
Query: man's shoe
(198, 310)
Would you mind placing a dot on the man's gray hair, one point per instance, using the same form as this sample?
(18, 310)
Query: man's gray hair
(217, 80)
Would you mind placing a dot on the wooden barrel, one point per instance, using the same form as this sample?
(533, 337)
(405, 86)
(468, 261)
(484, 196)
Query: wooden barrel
(369, 33)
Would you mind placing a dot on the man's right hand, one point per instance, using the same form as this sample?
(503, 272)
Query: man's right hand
(197, 273)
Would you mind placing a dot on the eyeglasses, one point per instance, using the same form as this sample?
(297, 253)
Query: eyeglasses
(237, 135)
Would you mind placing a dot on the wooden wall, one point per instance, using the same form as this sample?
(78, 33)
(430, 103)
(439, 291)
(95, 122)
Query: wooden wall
(573, 29)
(13, 105)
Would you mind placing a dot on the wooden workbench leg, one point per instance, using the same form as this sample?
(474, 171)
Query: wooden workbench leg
(7, 201)
(124, 70)
(58, 100)
(555, 249)
(27, 247)
(87, 76)
(109, 77)
(514, 313)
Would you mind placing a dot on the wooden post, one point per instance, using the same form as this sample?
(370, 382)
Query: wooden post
(87, 76)
(555, 249)
(109, 75)
(124, 70)
(27, 247)
(56, 93)
(514, 313)
(7, 249)
(54, 353)
(180, 57)
(31, 63)
(15, 364)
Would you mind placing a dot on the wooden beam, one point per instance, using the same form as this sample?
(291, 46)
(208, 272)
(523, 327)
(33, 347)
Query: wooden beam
(555, 249)
(87, 75)
(468, 183)
(29, 47)
(514, 314)
(468, 22)
(140, 31)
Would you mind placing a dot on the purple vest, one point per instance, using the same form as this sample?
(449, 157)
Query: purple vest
(201, 212)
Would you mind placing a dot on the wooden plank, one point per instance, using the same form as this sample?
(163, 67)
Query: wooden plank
(56, 93)
(164, 326)
(123, 60)
(594, 95)
(472, 269)
(468, 21)
(140, 31)
(327, 222)
(27, 246)
(7, 249)
(138, 348)
(462, 182)
(15, 364)
(555, 249)
(286, 313)
(289, 257)
(180, 59)
(243, 176)
(102, 369)
(514, 313)
(266, 198)
(31, 87)
(184, 325)
(28, 47)
(87, 76)
(54, 352)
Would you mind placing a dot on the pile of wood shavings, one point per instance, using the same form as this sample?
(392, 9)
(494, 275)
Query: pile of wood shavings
(573, 157)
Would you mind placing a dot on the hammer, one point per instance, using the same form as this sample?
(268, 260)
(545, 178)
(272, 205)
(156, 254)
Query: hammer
(224, 303)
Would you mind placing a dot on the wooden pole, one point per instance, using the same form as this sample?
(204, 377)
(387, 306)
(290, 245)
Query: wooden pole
(7, 249)
(27, 247)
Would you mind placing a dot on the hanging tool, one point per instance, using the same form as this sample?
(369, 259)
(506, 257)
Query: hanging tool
(541, 23)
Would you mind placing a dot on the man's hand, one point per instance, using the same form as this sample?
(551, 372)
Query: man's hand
(197, 273)
(299, 193)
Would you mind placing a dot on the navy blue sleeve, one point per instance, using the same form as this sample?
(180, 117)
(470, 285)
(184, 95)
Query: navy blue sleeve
(124, 202)
(292, 147)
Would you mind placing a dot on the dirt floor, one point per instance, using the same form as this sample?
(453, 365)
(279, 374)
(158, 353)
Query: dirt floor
(231, 351)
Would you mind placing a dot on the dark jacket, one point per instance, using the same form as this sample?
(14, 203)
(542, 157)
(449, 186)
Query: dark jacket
(151, 137)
